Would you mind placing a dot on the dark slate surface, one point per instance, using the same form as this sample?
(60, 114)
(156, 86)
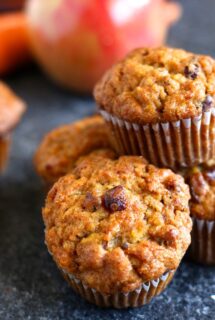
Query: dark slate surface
(30, 284)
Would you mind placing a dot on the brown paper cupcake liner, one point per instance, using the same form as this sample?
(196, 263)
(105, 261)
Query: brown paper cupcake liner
(202, 248)
(4, 151)
(135, 298)
(183, 143)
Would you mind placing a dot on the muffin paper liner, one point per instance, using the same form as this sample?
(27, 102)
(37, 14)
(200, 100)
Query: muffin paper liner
(175, 144)
(4, 150)
(202, 248)
(134, 298)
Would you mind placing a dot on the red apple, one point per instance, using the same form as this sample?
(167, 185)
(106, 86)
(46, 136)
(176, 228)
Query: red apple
(75, 41)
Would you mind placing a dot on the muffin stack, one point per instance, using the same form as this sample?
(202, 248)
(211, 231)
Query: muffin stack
(118, 226)
(114, 225)
(160, 103)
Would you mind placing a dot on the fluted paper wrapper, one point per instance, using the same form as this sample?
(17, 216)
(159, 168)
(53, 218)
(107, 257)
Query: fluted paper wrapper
(202, 248)
(4, 151)
(135, 298)
(175, 144)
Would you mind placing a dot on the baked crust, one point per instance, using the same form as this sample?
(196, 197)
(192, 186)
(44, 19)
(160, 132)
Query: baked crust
(61, 147)
(11, 109)
(158, 85)
(117, 223)
(201, 180)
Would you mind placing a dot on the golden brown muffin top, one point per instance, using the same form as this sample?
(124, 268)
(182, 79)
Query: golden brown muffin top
(158, 85)
(11, 109)
(61, 147)
(117, 223)
(201, 180)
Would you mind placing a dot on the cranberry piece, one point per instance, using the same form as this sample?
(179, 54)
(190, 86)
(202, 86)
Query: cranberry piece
(124, 245)
(114, 199)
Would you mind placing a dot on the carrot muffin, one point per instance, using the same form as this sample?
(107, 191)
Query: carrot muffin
(118, 228)
(61, 147)
(201, 180)
(160, 103)
(11, 110)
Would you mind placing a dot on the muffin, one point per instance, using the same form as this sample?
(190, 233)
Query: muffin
(159, 103)
(118, 228)
(11, 110)
(59, 150)
(201, 180)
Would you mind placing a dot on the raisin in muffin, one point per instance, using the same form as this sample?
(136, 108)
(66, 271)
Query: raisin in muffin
(11, 110)
(61, 147)
(118, 228)
(201, 180)
(160, 103)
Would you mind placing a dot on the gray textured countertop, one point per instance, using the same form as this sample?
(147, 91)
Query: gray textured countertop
(30, 284)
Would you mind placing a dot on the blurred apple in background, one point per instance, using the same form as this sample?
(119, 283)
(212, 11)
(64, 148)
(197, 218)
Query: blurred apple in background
(75, 41)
